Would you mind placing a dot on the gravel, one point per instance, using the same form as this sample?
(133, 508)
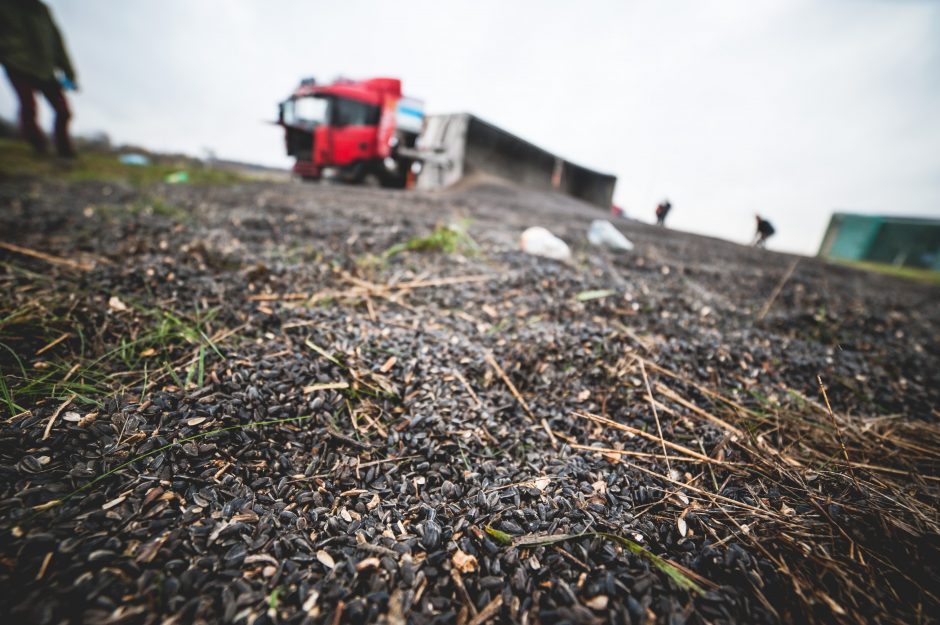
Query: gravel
(351, 444)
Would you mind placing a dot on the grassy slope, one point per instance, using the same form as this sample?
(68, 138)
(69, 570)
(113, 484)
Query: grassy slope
(907, 273)
(17, 160)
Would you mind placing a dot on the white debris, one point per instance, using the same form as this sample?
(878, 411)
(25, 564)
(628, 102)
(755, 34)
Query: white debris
(683, 527)
(604, 233)
(116, 304)
(326, 559)
(540, 242)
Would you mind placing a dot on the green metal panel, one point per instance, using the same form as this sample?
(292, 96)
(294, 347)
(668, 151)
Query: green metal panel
(907, 244)
(854, 237)
(901, 241)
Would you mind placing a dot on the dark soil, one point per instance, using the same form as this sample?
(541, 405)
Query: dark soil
(326, 434)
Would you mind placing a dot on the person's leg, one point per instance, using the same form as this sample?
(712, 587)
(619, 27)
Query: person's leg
(63, 142)
(24, 89)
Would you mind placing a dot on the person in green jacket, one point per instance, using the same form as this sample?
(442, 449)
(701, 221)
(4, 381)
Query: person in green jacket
(33, 54)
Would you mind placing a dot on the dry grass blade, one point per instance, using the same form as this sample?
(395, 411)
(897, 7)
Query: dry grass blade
(55, 415)
(491, 361)
(659, 428)
(855, 500)
(643, 454)
(364, 288)
(777, 289)
(488, 611)
(835, 426)
(690, 453)
(49, 258)
(670, 394)
(53, 343)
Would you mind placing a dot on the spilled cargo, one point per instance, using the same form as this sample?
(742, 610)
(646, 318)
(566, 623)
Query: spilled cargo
(459, 145)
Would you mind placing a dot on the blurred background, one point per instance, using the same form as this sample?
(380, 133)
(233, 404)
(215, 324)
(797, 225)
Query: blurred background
(793, 109)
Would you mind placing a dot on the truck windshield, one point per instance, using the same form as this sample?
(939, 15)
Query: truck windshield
(353, 113)
(306, 111)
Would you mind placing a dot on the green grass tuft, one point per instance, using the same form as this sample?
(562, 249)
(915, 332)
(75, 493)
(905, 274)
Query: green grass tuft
(445, 239)
(74, 367)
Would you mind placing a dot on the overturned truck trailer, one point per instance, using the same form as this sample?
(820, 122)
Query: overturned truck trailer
(459, 145)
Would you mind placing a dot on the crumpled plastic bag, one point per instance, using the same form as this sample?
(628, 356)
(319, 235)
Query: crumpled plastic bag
(606, 234)
(540, 242)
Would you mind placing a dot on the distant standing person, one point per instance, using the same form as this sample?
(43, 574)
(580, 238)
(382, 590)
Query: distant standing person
(764, 231)
(662, 210)
(32, 52)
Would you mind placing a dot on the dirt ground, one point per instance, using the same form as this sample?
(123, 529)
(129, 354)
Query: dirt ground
(284, 403)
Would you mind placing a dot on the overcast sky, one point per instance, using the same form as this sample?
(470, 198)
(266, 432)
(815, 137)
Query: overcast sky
(790, 108)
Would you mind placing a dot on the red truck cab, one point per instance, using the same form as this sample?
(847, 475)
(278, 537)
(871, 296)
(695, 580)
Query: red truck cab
(352, 128)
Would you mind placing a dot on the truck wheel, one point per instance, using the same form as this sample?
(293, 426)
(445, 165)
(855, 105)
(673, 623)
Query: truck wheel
(356, 173)
(397, 179)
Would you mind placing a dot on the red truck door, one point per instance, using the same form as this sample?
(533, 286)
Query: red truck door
(322, 146)
(353, 129)
(352, 143)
